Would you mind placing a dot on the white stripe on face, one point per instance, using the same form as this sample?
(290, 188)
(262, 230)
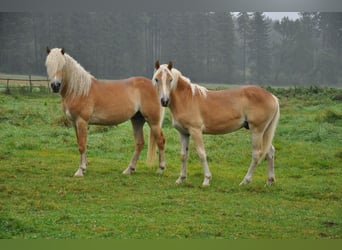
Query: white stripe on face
(164, 87)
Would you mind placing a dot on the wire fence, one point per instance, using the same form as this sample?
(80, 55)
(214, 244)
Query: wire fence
(24, 85)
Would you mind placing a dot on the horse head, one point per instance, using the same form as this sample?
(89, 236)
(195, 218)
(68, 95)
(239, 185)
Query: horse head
(55, 62)
(164, 80)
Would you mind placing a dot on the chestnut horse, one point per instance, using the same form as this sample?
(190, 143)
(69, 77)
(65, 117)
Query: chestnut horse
(86, 100)
(196, 111)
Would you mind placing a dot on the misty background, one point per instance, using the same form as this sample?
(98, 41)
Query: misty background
(208, 47)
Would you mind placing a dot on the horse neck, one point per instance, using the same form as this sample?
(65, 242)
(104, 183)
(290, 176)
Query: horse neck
(74, 76)
(181, 93)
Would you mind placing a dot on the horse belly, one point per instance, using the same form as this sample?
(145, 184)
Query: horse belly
(110, 117)
(221, 130)
(106, 120)
(222, 126)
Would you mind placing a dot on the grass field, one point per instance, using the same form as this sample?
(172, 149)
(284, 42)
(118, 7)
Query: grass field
(40, 198)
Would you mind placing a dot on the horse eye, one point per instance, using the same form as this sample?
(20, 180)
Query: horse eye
(171, 80)
(156, 79)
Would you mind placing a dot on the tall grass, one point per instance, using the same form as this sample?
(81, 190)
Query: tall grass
(40, 198)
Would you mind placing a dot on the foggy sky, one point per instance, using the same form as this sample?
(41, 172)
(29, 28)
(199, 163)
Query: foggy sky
(280, 15)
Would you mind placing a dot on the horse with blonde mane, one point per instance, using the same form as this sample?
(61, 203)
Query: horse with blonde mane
(196, 111)
(86, 100)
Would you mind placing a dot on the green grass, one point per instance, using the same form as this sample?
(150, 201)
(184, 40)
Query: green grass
(40, 198)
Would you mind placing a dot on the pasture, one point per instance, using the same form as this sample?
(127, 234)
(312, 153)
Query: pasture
(40, 198)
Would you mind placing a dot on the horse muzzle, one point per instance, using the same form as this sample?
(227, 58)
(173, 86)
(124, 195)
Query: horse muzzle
(165, 101)
(55, 86)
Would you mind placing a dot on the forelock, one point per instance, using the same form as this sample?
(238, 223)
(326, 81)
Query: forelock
(54, 61)
(161, 69)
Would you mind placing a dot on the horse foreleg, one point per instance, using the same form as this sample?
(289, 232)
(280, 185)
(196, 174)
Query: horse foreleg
(199, 145)
(184, 138)
(138, 133)
(81, 134)
(159, 137)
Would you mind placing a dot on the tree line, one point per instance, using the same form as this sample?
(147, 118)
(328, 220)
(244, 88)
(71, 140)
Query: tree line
(219, 47)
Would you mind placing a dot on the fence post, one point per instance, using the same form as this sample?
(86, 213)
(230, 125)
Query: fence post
(30, 83)
(7, 87)
(48, 85)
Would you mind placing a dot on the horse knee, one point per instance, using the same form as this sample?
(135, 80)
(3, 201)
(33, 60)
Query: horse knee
(183, 157)
(271, 151)
(81, 148)
(256, 155)
(161, 141)
(139, 145)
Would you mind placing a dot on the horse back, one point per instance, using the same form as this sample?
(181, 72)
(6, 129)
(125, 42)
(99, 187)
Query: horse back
(228, 110)
(242, 98)
(129, 96)
(110, 102)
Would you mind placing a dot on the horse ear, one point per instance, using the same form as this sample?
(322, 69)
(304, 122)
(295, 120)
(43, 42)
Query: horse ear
(157, 65)
(170, 65)
(48, 50)
(62, 51)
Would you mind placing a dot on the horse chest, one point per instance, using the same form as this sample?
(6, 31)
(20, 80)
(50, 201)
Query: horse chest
(184, 123)
(177, 125)
(68, 114)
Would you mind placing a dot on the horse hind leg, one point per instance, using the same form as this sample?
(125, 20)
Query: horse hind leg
(138, 124)
(184, 156)
(257, 153)
(268, 138)
(270, 159)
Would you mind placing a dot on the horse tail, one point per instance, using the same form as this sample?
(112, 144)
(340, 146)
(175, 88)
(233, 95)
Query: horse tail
(152, 144)
(270, 130)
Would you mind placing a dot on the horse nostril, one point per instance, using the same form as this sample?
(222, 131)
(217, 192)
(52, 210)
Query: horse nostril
(55, 86)
(164, 102)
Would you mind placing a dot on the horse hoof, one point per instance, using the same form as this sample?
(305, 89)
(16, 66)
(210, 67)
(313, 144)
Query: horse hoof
(245, 182)
(79, 173)
(270, 181)
(160, 171)
(180, 180)
(205, 183)
(126, 172)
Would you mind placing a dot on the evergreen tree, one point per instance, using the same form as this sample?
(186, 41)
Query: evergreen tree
(243, 29)
(303, 62)
(329, 54)
(223, 47)
(259, 54)
(202, 45)
(284, 52)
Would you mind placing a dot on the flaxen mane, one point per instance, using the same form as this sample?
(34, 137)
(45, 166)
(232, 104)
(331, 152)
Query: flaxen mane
(75, 78)
(202, 90)
(177, 74)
